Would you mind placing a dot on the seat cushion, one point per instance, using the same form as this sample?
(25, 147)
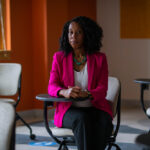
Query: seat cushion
(64, 132)
(8, 100)
(59, 132)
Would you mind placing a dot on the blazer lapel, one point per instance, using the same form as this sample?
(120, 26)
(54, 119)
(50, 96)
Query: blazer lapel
(69, 68)
(90, 67)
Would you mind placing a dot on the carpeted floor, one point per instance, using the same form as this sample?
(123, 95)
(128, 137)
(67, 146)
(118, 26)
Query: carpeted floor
(133, 123)
(125, 138)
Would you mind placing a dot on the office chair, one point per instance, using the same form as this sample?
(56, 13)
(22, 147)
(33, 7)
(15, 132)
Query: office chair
(65, 137)
(7, 120)
(10, 85)
(114, 97)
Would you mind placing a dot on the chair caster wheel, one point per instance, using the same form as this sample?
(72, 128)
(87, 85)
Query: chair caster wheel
(32, 136)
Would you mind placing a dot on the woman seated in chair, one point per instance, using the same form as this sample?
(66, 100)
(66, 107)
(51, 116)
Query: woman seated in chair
(80, 71)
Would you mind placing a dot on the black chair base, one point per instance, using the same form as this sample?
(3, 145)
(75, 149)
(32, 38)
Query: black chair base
(32, 136)
(63, 146)
(143, 141)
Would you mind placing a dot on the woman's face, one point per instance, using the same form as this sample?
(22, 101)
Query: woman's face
(75, 36)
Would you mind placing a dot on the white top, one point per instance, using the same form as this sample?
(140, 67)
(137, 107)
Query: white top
(81, 80)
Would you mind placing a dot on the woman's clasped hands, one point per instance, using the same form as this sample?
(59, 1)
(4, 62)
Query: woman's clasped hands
(73, 92)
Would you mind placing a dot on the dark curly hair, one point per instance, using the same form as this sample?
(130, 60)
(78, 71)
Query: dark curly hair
(93, 34)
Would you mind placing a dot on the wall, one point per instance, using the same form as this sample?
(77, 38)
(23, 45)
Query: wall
(21, 47)
(59, 12)
(128, 58)
(36, 26)
(40, 52)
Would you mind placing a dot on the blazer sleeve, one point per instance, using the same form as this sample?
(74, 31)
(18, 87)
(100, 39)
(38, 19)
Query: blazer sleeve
(100, 91)
(54, 82)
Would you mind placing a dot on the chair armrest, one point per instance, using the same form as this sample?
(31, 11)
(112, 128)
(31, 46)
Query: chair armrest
(48, 98)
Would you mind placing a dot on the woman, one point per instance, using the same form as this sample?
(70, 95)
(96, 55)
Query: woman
(80, 71)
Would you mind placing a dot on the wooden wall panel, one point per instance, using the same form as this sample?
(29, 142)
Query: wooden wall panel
(135, 18)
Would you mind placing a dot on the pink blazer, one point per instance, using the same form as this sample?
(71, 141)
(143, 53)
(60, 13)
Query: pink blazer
(62, 76)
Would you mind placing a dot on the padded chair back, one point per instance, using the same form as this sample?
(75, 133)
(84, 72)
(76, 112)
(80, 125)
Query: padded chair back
(9, 78)
(113, 92)
(7, 118)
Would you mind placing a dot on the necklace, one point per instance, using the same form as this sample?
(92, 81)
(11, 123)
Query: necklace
(80, 63)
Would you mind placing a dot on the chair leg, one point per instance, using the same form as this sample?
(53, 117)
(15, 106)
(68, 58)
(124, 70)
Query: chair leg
(60, 146)
(13, 138)
(32, 136)
(115, 145)
(63, 146)
(109, 147)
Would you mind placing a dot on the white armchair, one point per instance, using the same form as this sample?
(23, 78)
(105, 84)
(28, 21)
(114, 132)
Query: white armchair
(10, 86)
(7, 127)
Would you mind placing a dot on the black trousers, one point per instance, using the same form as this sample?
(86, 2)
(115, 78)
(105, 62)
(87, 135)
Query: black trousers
(90, 126)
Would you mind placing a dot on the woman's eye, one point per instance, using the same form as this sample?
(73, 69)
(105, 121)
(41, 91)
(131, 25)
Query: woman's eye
(78, 32)
(70, 32)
